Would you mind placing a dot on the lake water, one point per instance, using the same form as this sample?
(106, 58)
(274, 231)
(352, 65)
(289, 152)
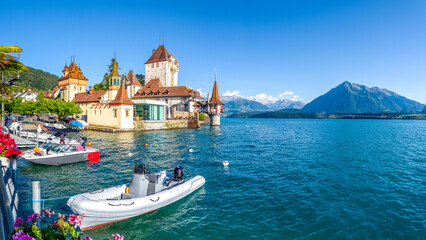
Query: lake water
(287, 179)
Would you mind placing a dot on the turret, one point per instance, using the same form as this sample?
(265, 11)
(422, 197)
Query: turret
(114, 81)
(215, 107)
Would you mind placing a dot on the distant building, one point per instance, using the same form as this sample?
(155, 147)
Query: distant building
(72, 82)
(163, 66)
(159, 104)
(27, 95)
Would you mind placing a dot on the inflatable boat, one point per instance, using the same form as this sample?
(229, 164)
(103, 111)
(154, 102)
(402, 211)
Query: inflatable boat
(146, 192)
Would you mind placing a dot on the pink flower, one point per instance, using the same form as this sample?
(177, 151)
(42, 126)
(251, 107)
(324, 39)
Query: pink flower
(21, 236)
(47, 212)
(19, 222)
(33, 217)
(118, 237)
(87, 238)
(75, 220)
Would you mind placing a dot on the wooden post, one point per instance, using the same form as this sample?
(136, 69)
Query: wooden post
(36, 197)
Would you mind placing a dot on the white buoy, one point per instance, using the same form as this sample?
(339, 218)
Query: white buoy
(190, 150)
(130, 154)
(225, 163)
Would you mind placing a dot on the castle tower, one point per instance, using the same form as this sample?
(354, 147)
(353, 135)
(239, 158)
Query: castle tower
(215, 107)
(162, 65)
(114, 81)
(132, 85)
(122, 108)
(72, 82)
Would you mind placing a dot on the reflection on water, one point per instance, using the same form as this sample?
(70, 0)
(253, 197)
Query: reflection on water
(287, 179)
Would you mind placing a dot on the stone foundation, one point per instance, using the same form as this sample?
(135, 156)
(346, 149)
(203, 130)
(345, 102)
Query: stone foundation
(215, 120)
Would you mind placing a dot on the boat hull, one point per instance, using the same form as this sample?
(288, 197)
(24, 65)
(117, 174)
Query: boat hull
(98, 210)
(63, 158)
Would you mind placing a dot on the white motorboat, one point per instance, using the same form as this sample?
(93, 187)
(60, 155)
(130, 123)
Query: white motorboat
(146, 192)
(54, 137)
(51, 153)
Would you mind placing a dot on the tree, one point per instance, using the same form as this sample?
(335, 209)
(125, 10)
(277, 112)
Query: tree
(8, 63)
(104, 85)
(111, 65)
(99, 86)
(105, 81)
(14, 106)
(141, 78)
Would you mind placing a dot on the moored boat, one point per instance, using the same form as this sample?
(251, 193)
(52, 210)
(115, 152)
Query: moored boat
(146, 192)
(52, 153)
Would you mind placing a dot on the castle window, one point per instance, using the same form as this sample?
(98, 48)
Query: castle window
(114, 81)
(95, 112)
(86, 112)
(158, 64)
(100, 112)
(115, 112)
(152, 65)
(127, 112)
(75, 88)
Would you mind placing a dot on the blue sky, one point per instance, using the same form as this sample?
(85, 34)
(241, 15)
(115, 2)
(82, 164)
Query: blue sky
(300, 47)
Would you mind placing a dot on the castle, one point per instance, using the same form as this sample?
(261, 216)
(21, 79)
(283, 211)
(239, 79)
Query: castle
(159, 104)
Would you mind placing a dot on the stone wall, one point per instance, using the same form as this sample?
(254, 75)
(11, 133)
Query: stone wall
(142, 125)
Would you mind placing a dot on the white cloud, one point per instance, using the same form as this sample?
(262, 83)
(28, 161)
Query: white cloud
(269, 99)
(233, 93)
(203, 92)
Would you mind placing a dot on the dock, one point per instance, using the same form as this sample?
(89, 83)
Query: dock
(22, 142)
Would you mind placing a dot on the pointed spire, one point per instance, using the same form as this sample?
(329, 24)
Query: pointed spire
(114, 72)
(121, 98)
(215, 96)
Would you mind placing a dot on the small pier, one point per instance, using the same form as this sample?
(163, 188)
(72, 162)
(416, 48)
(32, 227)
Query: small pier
(22, 142)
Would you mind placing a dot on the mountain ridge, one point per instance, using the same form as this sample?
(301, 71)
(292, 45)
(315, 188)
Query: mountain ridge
(355, 98)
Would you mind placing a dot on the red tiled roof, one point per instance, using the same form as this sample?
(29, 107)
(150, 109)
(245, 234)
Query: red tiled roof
(159, 55)
(215, 96)
(74, 72)
(86, 97)
(47, 94)
(154, 89)
(133, 79)
(121, 98)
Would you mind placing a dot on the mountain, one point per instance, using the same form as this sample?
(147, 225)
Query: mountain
(286, 104)
(424, 110)
(242, 104)
(354, 98)
(37, 80)
(253, 104)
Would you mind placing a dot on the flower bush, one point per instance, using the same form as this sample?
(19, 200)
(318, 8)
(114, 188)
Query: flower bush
(8, 147)
(37, 227)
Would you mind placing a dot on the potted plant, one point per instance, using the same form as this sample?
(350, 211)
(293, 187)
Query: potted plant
(8, 150)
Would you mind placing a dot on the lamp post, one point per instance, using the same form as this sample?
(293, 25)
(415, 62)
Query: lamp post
(6, 83)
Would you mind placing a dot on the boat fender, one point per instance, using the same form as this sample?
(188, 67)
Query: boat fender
(37, 150)
(127, 190)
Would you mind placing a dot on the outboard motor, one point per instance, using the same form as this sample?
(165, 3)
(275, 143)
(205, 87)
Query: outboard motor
(178, 173)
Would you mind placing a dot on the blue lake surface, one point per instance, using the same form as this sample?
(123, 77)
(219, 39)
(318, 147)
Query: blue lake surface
(287, 179)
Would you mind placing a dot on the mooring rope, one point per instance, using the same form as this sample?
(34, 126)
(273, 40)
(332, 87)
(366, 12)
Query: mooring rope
(57, 198)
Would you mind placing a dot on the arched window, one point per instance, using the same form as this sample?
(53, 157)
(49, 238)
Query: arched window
(114, 82)
(152, 65)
